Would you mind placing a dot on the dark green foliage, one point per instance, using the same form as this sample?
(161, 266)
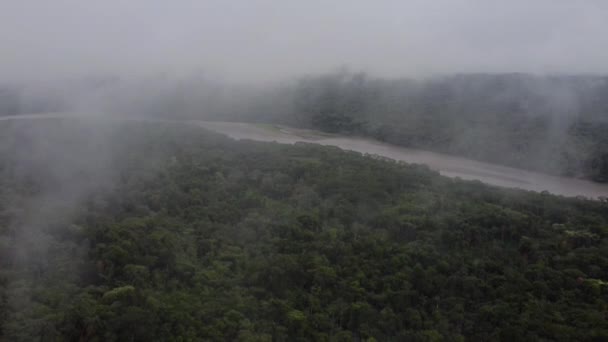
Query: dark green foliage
(555, 125)
(198, 237)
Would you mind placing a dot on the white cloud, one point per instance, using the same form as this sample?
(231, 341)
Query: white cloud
(263, 39)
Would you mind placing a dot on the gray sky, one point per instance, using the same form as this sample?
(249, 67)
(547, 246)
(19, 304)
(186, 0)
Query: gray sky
(252, 40)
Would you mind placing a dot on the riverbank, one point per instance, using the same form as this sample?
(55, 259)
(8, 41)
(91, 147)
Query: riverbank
(447, 165)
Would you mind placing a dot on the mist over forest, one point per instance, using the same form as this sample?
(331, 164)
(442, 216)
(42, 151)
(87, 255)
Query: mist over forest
(553, 124)
(113, 230)
(303, 171)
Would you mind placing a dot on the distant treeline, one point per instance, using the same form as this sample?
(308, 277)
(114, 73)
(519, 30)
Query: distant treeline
(552, 124)
(557, 125)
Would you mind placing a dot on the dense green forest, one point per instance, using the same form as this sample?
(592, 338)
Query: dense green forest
(144, 232)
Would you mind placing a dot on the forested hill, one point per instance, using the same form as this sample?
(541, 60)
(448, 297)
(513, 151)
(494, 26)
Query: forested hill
(557, 125)
(156, 232)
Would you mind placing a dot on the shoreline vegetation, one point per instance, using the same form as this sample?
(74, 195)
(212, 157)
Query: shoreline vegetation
(553, 124)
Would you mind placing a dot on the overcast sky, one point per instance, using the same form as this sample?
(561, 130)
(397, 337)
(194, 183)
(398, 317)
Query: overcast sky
(267, 40)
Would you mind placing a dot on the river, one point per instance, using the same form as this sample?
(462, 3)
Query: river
(446, 165)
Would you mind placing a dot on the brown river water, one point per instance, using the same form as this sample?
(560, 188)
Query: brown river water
(446, 165)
